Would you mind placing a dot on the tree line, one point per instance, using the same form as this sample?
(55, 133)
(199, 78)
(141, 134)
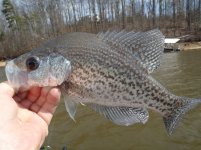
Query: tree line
(25, 24)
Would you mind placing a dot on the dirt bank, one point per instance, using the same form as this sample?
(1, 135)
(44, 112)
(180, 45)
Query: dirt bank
(190, 46)
(2, 63)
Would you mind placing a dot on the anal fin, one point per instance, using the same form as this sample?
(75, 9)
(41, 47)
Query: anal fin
(122, 115)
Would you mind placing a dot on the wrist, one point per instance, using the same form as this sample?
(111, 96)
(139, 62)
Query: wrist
(11, 140)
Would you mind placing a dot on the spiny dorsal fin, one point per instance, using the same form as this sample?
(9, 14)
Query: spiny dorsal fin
(122, 115)
(146, 47)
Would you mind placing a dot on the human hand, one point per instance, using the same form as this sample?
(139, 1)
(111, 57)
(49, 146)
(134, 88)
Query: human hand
(24, 117)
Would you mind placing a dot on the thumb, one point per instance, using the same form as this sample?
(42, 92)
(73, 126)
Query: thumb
(6, 89)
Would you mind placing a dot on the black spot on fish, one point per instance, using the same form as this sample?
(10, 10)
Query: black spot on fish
(131, 84)
(161, 100)
(102, 73)
(169, 104)
(162, 94)
(129, 77)
(163, 110)
(137, 83)
(110, 77)
(98, 88)
(94, 75)
(138, 92)
(150, 105)
(155, 90)
(100, 81)
(92, 70)
(178, 104)
(156, 99)
(89, 81)
(131, 93)
(147, 95)
(144, 84)
(123, 81)
(83, 78)
(110, 85)
(146, 101)
(147, 89)
(85, 71)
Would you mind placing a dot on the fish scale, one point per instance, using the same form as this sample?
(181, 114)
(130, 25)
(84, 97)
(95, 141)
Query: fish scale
(109, 72)
(122, 87)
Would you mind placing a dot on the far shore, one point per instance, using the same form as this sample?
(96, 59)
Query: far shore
(2, 64)
(190, 46)
(184, 46)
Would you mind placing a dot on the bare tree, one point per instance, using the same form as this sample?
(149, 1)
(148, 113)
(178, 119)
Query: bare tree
(188, 15)
(154, 12)
(112, 10)
(123, 13)
(174, 16)
(117, 17)
(199, 13)
(142, 14)
(132, 3)
(72, 2)
(38, 20)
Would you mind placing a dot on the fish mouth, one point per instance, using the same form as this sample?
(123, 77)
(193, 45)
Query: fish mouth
(16, 77)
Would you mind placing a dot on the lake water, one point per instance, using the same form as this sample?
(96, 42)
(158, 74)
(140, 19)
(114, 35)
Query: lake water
(180, 73)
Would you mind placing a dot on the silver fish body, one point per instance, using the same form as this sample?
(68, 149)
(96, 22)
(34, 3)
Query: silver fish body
(109, 72)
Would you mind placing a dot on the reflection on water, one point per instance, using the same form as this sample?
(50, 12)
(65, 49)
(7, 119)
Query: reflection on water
(180, 73)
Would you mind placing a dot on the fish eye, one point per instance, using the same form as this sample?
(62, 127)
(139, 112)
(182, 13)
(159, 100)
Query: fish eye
(32, 63)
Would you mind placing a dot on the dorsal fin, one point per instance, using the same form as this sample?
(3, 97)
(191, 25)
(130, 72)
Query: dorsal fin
(146, 47)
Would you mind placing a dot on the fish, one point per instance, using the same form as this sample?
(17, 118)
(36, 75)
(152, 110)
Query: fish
(109, 72)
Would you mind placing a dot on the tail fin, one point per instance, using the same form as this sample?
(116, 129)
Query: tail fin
(171, 120)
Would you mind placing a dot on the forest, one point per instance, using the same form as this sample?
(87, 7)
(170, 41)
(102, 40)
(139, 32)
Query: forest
(25, 24)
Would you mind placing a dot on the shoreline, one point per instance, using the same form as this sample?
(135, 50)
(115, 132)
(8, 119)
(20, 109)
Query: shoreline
(186, 46)
(2, 63)
(183, 46)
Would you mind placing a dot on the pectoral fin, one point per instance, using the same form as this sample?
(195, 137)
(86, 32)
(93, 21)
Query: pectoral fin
(71, 107)
(122, 115)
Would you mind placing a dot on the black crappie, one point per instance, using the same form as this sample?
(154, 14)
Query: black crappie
(109, 72)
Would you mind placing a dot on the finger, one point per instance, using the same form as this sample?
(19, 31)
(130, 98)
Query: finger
(41, 100)
(17, 99)
(26, 103)
(6, 89)
(34, 94)
(49, 107)
(20, 96)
